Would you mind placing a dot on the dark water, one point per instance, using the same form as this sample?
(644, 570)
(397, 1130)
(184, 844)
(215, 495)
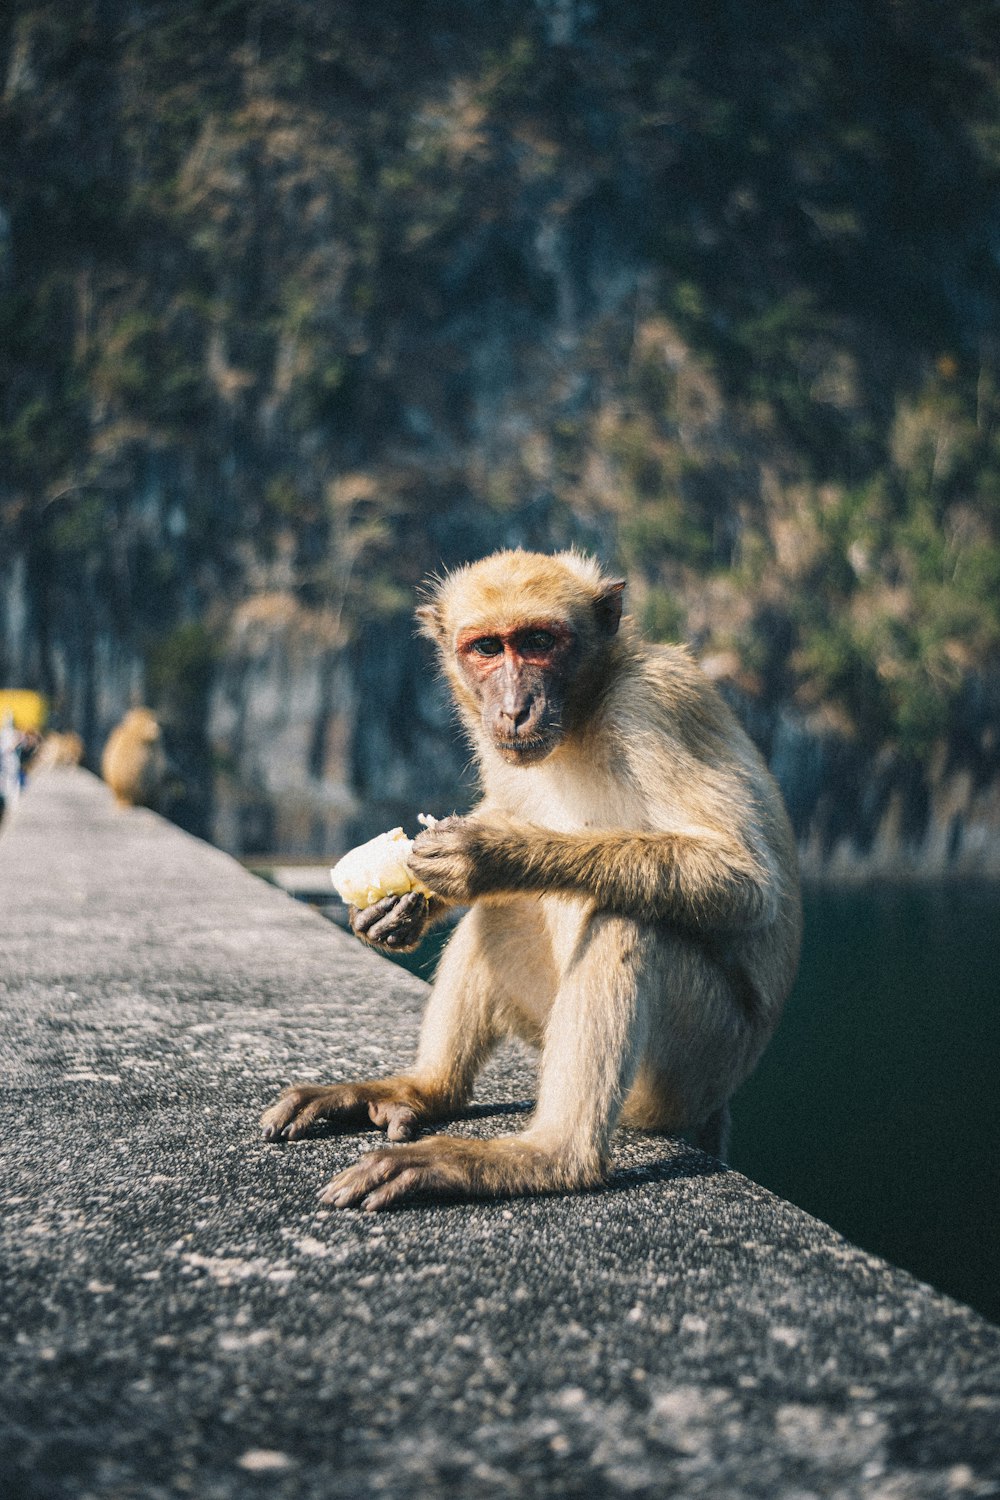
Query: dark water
(877, 1104)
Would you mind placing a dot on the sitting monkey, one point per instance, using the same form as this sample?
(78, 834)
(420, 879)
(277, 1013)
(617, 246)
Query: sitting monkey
(633, 886)
(134, 762)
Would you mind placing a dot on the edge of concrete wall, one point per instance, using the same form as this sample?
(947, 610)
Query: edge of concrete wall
(183, 1317)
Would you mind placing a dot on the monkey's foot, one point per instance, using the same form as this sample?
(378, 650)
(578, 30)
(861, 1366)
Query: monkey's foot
(393, 1104)
(448, 1166)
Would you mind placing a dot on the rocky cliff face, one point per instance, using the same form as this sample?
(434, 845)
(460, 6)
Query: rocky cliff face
(306, 739)
(861, 814)
(331, 746)
(297, 306)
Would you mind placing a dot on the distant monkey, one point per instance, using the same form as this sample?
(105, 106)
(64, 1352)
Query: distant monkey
(633, 887)
(134, 762)
(60, 749)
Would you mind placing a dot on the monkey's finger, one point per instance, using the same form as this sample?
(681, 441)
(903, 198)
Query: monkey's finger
(407, 909)
(398, 1120)
(400, 924)
(365, 917)
(446, 836)
(440, 826)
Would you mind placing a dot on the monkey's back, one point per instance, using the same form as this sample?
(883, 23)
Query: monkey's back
(133, 761)
(679, 739)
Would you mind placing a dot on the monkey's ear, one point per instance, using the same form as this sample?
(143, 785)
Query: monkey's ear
(608, 606)
(429, 621)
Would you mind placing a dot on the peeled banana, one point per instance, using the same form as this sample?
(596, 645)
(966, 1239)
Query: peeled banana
(378, 868)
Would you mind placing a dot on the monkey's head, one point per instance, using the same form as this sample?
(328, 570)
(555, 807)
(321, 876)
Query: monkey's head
(525, 640)
(142, 725)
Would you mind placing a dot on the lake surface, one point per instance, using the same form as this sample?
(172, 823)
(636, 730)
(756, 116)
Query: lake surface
(877, 1104)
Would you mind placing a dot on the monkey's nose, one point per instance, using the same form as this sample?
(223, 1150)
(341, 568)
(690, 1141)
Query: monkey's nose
(514, 717)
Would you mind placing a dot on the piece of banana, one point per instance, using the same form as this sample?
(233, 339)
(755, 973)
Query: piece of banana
(378, 868)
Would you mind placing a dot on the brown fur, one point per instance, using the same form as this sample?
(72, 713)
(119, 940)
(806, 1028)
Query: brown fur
(133, 762)
(60, 749)
(633, 888)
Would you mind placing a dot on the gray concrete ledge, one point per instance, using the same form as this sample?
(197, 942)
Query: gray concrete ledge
(179, 1318)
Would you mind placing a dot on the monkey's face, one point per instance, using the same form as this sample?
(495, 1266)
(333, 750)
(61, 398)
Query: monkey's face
(519, 679)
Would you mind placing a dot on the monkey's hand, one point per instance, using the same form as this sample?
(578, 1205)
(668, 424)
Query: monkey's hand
(396, 923)
(396, 1105)
(461, 858)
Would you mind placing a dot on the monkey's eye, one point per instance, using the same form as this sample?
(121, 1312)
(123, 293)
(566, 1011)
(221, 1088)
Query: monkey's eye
(537, 640)
(487, 645)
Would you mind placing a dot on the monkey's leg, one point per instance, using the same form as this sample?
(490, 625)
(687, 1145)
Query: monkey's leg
(461, 1026)
(713, 1134)
(595, 1040)
(707, 1034)
(396, 1105)
(596, 1034)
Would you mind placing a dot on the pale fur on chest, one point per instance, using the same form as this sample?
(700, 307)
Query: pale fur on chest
(571, 793)
(567, 795)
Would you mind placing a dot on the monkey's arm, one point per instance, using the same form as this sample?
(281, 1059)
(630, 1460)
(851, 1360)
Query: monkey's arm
(701, 879)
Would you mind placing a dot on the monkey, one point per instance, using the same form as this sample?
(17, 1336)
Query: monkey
(134, 762)
(60, 748)
(632, 884)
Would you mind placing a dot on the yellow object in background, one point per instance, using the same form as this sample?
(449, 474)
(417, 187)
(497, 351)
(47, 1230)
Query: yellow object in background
(28, 710)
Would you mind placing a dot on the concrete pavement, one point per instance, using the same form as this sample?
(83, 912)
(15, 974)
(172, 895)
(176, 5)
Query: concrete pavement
(180, 1318)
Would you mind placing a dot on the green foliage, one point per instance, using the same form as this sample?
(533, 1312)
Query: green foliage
(664, 529)
(179, 671)
(905, 575)
(78, 524)
(282, 498)
(662, 617)
(711, 283)
(23, 436)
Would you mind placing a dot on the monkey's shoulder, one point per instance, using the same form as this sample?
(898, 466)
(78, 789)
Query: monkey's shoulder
(674, 738)
(668, 692)
(674, 672)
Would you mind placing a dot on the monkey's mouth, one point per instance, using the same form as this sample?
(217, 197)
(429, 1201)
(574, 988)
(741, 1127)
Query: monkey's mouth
(526, 751)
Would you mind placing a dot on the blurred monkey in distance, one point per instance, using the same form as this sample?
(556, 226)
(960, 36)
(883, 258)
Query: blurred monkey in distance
(134, 762)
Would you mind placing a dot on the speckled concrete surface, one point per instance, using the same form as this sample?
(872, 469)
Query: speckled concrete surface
(180, 1318)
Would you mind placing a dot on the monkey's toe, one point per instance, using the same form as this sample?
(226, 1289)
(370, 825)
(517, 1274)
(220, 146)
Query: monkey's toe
(305, 1105)
(438, 1164)
(399, 1121)
(274, 1121)
(370, 1183)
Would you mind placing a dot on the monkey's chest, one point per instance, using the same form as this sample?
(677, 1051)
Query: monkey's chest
(571, 799)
